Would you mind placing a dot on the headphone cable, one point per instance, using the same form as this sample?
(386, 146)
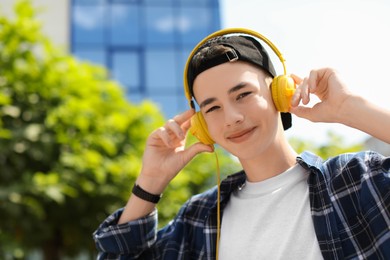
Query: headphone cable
(218, 206)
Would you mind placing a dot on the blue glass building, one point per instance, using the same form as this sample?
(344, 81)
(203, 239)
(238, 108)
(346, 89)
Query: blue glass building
(143, 43)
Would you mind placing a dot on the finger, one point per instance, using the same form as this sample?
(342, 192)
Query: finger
(313, 79)
(186, 125)
(183, 117)
(310, 113)
(180, 124)
(173, 127)
(195, 149)
(296, 98)
(163, 135)
(302, 112)
(172, 133)
(298, 80)
(301, 93)
(305, 92)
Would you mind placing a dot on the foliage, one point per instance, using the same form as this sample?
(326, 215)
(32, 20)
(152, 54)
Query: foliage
(70, 143)
(333, 146)
(70, 146)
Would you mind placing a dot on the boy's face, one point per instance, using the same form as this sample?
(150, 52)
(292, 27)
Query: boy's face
(236, 102)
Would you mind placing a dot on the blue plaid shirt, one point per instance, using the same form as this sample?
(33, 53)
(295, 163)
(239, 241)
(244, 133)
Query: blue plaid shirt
(350, 206)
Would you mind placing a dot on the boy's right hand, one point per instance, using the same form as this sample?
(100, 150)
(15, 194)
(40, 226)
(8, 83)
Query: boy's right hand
(165, 153)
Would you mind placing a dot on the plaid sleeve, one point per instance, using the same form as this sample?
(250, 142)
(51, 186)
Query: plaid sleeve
(361, 199)
(190, 235)
(130, 238)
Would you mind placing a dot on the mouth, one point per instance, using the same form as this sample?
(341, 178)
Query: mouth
(241, 135)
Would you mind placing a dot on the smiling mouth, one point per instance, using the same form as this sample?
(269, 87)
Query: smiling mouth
(240, 136)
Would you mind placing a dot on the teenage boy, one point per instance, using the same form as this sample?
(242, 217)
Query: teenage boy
(281, 205)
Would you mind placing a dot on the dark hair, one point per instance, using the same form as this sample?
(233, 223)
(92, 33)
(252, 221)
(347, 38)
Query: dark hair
(207, 53)
(222, 49)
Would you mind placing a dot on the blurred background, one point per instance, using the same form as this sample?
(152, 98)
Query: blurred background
(83, 83)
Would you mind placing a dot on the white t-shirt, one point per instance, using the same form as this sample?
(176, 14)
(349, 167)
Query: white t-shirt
(270, 220)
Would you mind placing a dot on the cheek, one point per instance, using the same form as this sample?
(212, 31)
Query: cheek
(214, 127)
(260, 106)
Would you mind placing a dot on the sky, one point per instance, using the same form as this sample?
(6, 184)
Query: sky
(351, 36)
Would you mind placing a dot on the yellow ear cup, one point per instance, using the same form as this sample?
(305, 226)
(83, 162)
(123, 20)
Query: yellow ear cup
(282, 89)
(199, 129)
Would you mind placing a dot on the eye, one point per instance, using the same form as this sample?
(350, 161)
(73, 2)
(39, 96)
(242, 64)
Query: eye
(242, 95)
(211, 109)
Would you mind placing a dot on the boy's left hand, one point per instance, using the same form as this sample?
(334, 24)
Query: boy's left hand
(327, 85)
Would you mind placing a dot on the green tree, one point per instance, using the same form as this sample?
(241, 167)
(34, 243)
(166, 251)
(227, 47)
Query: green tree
(70, 142)
(333, 146)
(70, 146)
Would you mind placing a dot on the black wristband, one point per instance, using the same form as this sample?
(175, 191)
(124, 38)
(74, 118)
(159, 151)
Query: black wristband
(143, 194)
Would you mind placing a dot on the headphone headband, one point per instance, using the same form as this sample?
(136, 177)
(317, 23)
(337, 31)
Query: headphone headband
(223, 32)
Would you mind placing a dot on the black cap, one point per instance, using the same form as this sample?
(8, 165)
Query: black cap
(244, 48)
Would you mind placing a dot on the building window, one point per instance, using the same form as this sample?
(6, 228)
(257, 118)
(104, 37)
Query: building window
(143, 43)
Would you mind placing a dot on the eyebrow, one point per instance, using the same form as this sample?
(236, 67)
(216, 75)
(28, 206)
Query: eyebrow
(237, 88)
(206, 102)
(232, 90)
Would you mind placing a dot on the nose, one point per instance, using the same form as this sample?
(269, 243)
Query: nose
(233, 116)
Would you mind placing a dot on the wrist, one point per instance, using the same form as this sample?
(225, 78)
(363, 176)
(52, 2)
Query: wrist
(152, 184)
(145, 195)
(349, 112)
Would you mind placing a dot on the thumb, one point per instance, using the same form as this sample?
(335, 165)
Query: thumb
(303, 112)
(195, 149)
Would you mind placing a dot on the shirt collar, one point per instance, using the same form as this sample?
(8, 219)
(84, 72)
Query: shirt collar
(234, 181)
(306, 159)
(310, 161)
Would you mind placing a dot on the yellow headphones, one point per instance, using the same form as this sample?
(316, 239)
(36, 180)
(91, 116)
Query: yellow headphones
(282, 87)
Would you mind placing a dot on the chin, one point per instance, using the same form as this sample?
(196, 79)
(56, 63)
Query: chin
(242, 153)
